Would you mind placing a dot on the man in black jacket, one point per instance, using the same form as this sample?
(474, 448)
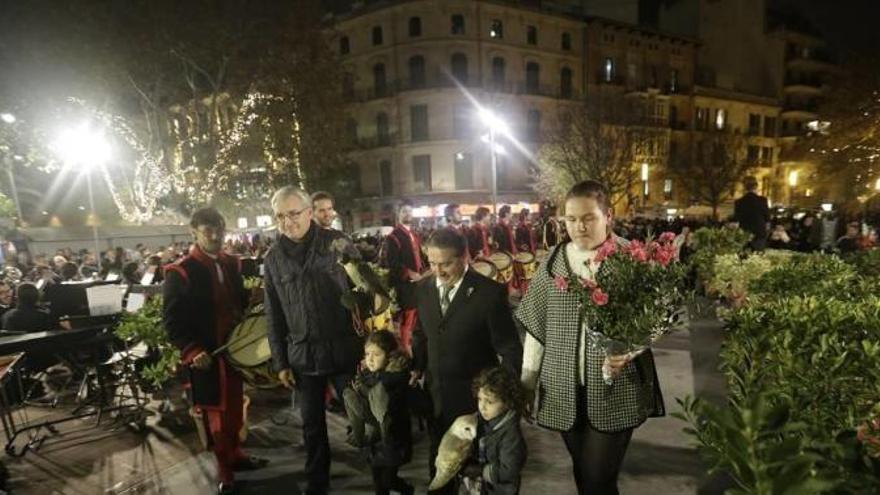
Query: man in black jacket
(752, 213)
(310, 332)
(26, 316)
(203, 300)
(464, 324)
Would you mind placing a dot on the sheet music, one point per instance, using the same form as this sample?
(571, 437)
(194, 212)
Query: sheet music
(105, 299)
(147, 279)
(135, 302)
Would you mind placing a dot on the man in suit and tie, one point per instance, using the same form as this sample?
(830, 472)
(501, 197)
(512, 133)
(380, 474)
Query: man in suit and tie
(464, 324)
(752, 213)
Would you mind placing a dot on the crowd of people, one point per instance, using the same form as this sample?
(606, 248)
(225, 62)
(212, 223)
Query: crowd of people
(456, 336)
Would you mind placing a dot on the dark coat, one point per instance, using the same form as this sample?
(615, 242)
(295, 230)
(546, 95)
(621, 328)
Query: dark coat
(27, 319)
(310, 331)
(752, 213)
(396, 449)
(194, 320)
(502, 453)
(401, 257)
(454, 348)
(503, 236)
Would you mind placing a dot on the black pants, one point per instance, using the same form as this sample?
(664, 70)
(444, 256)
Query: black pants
(596, 457)
(385, 479)
(310, 390)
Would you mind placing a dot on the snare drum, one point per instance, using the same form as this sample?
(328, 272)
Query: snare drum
(249, 352)
(504, 264)
(525, 262)
(485, 267)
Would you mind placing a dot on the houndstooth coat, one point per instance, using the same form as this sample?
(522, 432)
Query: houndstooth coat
(552, 317)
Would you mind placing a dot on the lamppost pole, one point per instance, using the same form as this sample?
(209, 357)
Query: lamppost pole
(494, 158)
(94, 220)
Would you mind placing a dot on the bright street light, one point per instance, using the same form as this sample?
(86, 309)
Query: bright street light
(793, 178)
(86, 148)
(877, 185)
(7, 117)
(495, 125)
(493, 122)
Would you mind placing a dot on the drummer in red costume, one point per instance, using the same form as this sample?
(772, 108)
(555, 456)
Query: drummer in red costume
(525, 234)
(478, 235)
(504, 239)
(452, 213)
(204, 298)
(403, 258)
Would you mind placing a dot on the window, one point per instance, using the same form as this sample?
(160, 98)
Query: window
(421, 172)
(385, 178)
(379, 83)
(497, 29)
(632, 74)
(766, 155)
(415, 26)
(457, 24)
(720, 119)
(752, 154)
(416, 71)
(347, 86)
(652, 76)
(461, 121)
(769, 126)
(419, 122)
(673, 116)
(377, 35)
(608, 72)
(667, 189)
(566, 41)
(754, 124)
(498, 76)
(701, 120)
(533, 129)
(565, 84)
(344, 46)
(531, 35)
(464, 171)
(673, 81)
(533, 78)
(382, 136)
(460, 67)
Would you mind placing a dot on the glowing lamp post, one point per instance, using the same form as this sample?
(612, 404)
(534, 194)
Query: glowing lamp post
(792, 183)
(85, 148)
(495, 125)
(645, 170)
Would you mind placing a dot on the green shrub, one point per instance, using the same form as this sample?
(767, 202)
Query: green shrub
(146, 326)
(712, 242)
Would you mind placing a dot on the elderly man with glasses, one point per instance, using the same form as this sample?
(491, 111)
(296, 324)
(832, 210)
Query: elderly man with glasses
(311, 333)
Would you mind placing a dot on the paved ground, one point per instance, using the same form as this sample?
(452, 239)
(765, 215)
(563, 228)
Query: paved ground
(167, 459)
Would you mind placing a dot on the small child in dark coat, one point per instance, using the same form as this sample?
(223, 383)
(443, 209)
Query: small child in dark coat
(500, 448)
(378, 411)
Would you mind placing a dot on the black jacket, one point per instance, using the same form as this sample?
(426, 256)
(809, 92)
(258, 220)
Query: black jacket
(310, 331)
(752, 213)
(501, 451)
(453, 349)
(27, 319)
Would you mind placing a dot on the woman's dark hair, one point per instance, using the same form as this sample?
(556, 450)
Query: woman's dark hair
(69, 271)
(28, 295)
(384, 340)
(481, 213)
(448, 238)
(592, 190)
(502, 383)
(207, 216)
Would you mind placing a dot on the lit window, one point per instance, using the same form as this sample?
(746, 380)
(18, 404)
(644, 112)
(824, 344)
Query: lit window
(497, 29)
(720, 119)
(609, 69)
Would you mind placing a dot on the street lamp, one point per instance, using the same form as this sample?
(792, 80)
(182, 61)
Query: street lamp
(85, 148)
(495, 126)
(645, 171)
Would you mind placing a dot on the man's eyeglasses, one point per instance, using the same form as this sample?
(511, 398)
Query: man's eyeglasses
(291, 215)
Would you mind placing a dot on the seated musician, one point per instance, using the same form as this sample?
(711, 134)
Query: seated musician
(5, 298)
(26, 316)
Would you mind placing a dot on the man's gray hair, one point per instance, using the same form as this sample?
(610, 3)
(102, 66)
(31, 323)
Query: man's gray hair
(287, 192)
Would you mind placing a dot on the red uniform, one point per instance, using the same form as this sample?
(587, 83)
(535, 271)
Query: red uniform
(403, 258)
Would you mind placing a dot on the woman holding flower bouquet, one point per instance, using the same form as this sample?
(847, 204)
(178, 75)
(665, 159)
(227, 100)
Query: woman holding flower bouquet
(593, 392)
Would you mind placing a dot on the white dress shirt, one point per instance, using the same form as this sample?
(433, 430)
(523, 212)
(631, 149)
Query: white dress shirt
(454, 289)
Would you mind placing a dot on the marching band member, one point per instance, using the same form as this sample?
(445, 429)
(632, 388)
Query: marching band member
(452, 213)
(204, 298)
(403, 258)
(478, 235)
(525, 235)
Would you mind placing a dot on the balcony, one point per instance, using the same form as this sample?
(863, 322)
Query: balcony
(795, 110)
(811, 86)
(373, 142)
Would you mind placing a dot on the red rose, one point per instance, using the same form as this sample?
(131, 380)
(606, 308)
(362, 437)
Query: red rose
(664, 256)
(599, 297)
(667, 237)
(637, 251)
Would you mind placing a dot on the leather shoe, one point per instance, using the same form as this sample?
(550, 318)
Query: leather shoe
(250, 463)
(226, 488)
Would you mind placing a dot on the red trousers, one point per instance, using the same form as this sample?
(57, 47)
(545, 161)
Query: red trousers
(225, 422)
(408, 318)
